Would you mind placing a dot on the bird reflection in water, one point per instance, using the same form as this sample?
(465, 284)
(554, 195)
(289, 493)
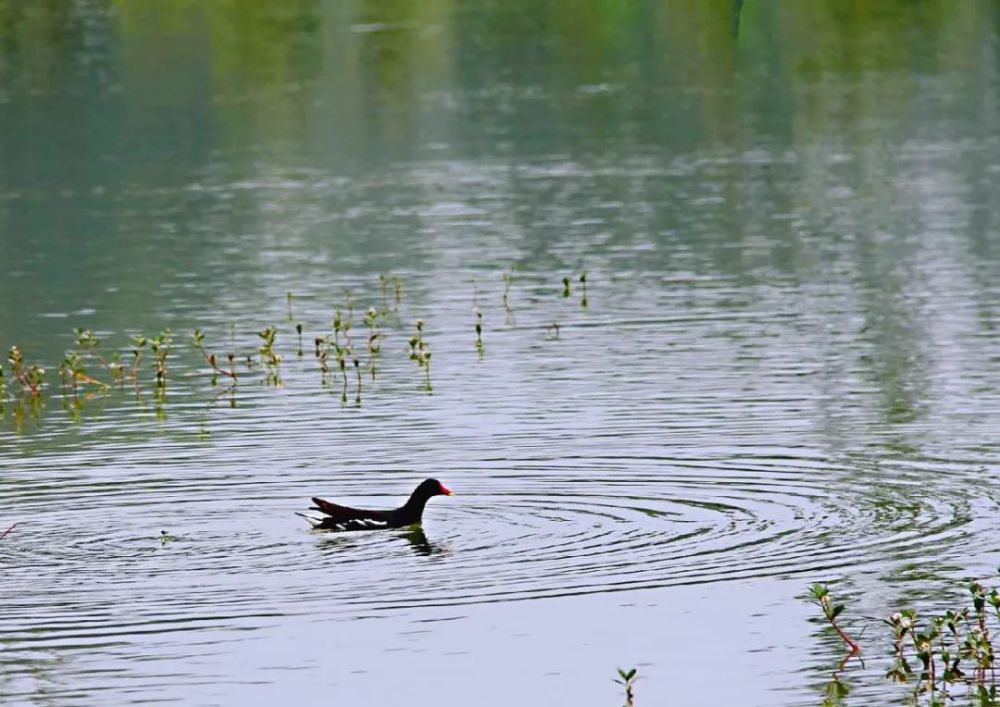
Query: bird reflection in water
(414, 535)
(419, 542)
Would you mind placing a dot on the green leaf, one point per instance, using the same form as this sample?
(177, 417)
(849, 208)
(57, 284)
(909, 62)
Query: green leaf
(818, 591)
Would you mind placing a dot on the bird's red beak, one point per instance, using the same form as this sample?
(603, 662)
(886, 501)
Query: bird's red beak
(445, 490)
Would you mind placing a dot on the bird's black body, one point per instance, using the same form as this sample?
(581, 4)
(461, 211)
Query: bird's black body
(333, 516)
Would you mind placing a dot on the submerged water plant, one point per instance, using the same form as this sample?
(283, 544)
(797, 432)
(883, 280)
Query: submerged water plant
(583, 285)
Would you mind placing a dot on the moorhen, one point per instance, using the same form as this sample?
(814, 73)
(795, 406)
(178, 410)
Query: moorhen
(335, 517)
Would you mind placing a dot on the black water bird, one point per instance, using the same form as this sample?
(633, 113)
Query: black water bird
(332, 516)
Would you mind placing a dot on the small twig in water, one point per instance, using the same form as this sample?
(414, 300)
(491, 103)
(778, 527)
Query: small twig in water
(5, 533)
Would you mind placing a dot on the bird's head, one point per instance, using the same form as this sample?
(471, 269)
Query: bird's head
(433, 487)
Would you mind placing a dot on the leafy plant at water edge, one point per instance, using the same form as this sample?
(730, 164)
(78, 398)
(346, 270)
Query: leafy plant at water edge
(88, 368)
(268, 356)
(138, 346)
(344, 351)
(371, 321)
(89, 345)
(420, 352)
(73, 368)
(938, 652)
(341, 351)
(160, 346)
(627, 678)
(30, 378)
(323, 354)
(821, 596)
(71, 373)
(341, 326)
(197, 341)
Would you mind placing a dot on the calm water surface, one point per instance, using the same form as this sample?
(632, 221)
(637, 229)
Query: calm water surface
(786, 371)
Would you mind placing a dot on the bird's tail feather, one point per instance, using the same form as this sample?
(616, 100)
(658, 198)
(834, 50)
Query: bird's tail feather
(315, 521)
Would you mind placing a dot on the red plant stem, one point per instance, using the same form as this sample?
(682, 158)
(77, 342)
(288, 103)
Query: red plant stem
(7, 532)
(209, 359)
(855, 648)
(96, 352)
(25, 383)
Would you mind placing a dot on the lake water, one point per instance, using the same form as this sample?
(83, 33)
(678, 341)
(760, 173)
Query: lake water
(786, 372)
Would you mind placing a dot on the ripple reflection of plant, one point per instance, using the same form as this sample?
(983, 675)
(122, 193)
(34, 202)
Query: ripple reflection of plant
(479, 333)
(940, 644)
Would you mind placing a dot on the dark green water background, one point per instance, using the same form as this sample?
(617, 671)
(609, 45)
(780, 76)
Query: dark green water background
(788, 370)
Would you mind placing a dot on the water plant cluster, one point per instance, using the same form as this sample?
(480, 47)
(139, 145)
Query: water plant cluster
(946, 657)
(93, 367)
